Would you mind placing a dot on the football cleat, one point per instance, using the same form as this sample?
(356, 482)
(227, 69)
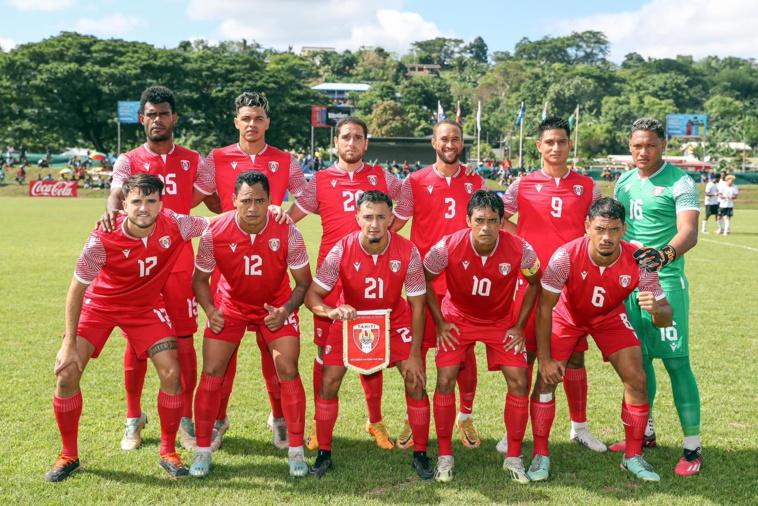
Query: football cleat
(281, 436)
(444, 471)
(515, 468)
(405, 439)
(133, 433)
(539, 469)
(298, 467)
(172, 463)
(639, 468)
(270, 421)
(312, 442)
(379, 431)
(647, 442)
(219, 429)
(502, 445)
(422, 465)
(201, 465)
(584, 437)
(469, 437)
(322, 465)
(187, 434)
(691, 462)
(64, 466)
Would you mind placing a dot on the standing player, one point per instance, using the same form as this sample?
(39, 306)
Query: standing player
(712, 202)
(481, 262)
(552, 204)
(373, 265)
(333, 193)
(118, 282)
(185, 177)
(586, 282)
(284, 174)
(252, 252)
(662, 205)
(727, 195)
(435, 197)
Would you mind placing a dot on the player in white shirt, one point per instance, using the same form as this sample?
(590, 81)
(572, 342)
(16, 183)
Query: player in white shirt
(727, 195)
(712, 201)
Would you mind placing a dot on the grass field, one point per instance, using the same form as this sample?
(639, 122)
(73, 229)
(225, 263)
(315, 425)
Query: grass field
(41, 241)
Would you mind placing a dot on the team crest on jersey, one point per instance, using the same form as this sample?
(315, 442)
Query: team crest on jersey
(465, 264)
(334, 183)
(146, 165)
(430, 188)
(233, 246)
(504, 269)
(165, 241)
(366, 336)
(185, 164)
(372, 180)
(357, 266)
(539, 188)
(234, 165)
(658, 191)
(274, 244)
(273, 166)
(584, 274)
(395, 265)
(469, 188)
(578, 189)
(625, 279)
(126, 253)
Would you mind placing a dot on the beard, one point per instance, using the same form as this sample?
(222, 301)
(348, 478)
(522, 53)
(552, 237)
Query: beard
(351, 158)
(140, 225)
(449, 160)
(374, 240)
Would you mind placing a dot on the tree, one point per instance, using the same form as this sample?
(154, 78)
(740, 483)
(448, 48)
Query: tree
(439, 51)
(477, 50)
(388, 120)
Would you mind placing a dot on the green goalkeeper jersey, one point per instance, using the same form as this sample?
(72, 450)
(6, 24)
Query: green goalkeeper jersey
(651, 207)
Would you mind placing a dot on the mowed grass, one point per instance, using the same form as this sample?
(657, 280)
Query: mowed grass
(41, 241)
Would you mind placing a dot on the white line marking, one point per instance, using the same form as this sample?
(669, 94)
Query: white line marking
(730, 244)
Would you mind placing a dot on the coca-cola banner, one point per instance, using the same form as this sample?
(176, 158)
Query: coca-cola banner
(52, 189)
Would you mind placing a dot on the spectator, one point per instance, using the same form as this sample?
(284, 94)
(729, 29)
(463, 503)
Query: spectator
(9, 157)
(21, 175)
(22, 153)
(316, 164)
(49, 177)
(49, 155)
(406, 167)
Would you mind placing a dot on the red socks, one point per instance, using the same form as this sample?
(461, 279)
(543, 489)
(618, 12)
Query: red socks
(67, 414)
(575, 386)
(293, 406)
(373, 385)
(134, 381)
(188, 368)
(170, 411)
(444, 420)
(516, 415)
(326, 417)
(206, 407)
(635, 418)
(467, 382)
(542, 414)
(419, 417)
(227, 385)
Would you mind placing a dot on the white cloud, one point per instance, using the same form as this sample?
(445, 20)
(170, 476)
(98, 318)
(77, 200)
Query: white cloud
(113, 25)
(667, 28)
(7, 45)
(342, 24)
(41, 5)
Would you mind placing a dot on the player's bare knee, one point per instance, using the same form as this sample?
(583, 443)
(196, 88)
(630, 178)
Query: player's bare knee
(213, 368)
(445, 384)
(67, 383)
(286, 370)
(517, 384)
(576, 361)
(414, 392)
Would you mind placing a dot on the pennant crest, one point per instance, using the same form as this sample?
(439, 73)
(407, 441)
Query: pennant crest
(469, 188)
(366, 342)
(658, 191)
(578, 189)
(625, 279)
(165, 241)
(233, 246)
(505, 269)
(234, 165)
(126, 253)
(185, 164)
(274, 244)
(395, 265)
(373, 180)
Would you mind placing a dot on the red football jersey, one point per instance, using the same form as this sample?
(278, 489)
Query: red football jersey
(253, 266)
(181, 170)
(282, 170)
(371, 282)
(333, 192)
(438, 206)
(123, 270)
(471, 295)
(551, 211)
(589, 293)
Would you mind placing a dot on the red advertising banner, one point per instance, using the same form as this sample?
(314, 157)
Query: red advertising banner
(366, 342)
(53, 189)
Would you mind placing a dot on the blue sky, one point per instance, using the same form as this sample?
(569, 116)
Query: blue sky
(653, 28)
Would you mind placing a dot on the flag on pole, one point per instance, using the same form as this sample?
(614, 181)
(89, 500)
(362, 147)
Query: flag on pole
(574, 118)
(479, 117)
(440, 112)
(458, 113)
(544, 112)
(520, 114)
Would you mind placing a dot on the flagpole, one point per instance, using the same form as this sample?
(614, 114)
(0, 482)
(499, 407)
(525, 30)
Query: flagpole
(521, 141)
(576, 135)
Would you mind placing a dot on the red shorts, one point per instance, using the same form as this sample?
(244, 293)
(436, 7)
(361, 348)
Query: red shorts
(322, 326)
(529, 334)
(235, 325)
(612, 334)
(181, 303)
(142, 326)
(492, 336)
(430, 331)
(400, 342)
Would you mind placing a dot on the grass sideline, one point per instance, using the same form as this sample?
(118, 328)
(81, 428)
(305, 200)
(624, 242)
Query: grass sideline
(42, 240)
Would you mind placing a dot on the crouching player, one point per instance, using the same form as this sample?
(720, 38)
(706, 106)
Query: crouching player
(117, 283)
(482, 263)
(373, 265)
(587, 281)
(252, 252)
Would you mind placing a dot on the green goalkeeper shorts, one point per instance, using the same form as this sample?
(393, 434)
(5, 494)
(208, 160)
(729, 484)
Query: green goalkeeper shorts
(668, 342)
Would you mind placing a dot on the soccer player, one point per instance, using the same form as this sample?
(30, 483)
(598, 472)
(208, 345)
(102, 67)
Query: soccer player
(712, 202)
(252, 252)
(481, 262)
(662, 208)
(727, 195)
(186, 181)
(333, 193)
(118, 282)
(284, 174)
(552, 205)
(436, 197)
(373, 265)
(583, 292)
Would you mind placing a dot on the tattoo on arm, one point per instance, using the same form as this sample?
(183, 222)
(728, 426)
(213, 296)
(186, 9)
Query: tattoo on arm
(296, 299)
(162, 346)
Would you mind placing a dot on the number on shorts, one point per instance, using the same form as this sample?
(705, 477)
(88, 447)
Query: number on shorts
(192, 307)
(669, 333)
(627, 323)
(405, 334)
(162, 315)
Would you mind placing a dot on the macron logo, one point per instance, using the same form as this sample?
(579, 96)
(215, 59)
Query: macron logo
(233, 246)
(357, 266)
(234, 165)
(334, 183)
(146, 165)
(430, 188)
(584, 274)
(539, 187)
(126, 253)
(465, 264)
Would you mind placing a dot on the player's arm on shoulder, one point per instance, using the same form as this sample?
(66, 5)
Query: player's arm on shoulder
(114, 206)
(532, 271)
(404, 209)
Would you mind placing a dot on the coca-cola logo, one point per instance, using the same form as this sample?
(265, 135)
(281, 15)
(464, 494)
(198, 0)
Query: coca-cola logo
(53, 189)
